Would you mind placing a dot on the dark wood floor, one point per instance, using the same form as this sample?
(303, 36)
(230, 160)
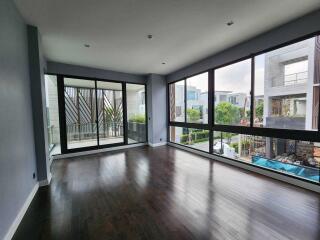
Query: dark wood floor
(166, 193)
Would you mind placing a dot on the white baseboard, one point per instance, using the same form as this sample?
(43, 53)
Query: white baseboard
(268, 173)
(46, 182)
(77, 154)
(14, 226)
(157, 144)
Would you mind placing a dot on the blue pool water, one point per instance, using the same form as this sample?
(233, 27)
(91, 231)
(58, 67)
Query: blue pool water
(304, 172)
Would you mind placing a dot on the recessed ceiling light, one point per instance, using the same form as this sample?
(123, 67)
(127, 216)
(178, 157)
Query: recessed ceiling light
(87, 45)
(150, 36)
(230, 23)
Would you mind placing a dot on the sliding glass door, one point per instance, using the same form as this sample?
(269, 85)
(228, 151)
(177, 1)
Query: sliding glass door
(80, 113)
(110, 112)
(93, 113)
(100, 113)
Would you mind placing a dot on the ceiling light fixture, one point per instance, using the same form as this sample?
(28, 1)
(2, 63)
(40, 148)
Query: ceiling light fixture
(230, 23)
(150, 36)
(163, 63)
(87, 45)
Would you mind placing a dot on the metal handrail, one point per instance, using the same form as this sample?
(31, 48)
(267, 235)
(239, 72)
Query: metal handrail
(76, 132)
(291, 79)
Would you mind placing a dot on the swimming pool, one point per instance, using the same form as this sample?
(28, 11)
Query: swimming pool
(301, 171)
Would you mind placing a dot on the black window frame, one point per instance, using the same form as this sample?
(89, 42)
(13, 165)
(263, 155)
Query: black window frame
(62, 117)
(145, 109)
(291, 134)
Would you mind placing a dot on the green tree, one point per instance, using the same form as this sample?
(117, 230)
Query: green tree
(259, 110)
(227, 113)
(193, 115)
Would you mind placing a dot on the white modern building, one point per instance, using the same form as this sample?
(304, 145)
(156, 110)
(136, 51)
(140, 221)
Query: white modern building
(289, 87)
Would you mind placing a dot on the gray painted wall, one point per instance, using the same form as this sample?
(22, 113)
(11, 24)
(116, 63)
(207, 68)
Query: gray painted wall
(37, 68)
(17, 152)
(67, 69)
(157, 108)
(295, 29)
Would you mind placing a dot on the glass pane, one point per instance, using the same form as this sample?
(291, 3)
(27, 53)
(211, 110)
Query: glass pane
(191, 137)
(110, 112)
(286, 94)
(292, 157)
(232, 94)
(80, 110)
(52, 107)
(176, 94)
(136, 113)
(197, 98)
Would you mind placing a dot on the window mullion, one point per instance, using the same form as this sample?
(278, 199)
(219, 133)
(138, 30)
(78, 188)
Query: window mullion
(252, 107)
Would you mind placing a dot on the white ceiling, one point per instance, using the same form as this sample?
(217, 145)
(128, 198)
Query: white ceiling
(185, 31)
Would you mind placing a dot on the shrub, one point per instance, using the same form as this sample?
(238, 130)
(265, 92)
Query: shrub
(184, 138)
(196, 137)
(235, 146)
(203, 134)
(137, 118)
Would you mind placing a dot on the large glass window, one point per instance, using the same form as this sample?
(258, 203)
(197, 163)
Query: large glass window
(194, 138)
(287, 87)
(285, 97)
(53, 125)
(136, 113)
(197, 99)
(177, 101)
(232, 94)
(294, 157)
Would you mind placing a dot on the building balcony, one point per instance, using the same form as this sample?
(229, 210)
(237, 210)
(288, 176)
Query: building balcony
(291, 80)
(284, 122)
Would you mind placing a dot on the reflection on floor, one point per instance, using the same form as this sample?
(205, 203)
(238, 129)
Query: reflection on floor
(89, 142)
(166, 193)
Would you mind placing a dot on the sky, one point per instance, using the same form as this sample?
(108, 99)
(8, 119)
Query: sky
(237, 77)
(199, 81)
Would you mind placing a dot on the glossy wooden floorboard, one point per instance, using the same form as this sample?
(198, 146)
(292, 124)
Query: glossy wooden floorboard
(166, 193)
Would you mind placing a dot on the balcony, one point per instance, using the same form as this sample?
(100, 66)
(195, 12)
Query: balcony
(297, 123)
(291, 80)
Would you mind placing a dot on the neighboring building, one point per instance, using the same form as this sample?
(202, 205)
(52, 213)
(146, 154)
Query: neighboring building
(221, 96)
(136, 105)
(178, 105)
(259, 99)
(289, 86)
(238, 99)
(290, 94)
